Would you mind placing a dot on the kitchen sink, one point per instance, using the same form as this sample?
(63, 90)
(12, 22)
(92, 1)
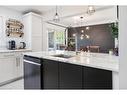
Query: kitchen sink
(62, 56)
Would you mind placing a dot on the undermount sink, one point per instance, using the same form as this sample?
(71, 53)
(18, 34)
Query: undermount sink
(62, 56)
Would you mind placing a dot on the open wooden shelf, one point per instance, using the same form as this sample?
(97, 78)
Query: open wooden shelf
(14, 28)
(15, 34)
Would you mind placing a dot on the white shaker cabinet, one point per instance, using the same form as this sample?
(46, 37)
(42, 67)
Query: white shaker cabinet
(7, 66)
(11, 66)
(33, 31)
(18, 68)
(19, 65)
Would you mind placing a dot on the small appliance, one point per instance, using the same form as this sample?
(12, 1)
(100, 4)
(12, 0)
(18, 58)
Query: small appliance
(22, 45)
(12, 45)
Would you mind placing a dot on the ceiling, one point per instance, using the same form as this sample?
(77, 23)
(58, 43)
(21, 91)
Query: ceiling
(102, 15)
(43, 9)
(69, 15)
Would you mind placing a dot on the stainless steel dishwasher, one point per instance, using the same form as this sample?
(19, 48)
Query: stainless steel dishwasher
(32, 72)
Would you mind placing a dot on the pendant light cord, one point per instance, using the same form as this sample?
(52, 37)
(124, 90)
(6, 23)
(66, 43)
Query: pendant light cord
(117, 12)
(56, 9)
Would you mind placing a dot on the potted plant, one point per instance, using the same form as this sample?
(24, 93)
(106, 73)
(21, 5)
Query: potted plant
(114, 32)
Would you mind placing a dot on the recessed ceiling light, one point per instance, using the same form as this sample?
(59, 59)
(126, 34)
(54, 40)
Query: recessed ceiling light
(90, 10)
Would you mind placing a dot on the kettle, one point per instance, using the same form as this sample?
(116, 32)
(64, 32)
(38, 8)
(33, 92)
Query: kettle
(22, 45)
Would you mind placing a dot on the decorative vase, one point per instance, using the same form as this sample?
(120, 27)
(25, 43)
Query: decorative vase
(116, 42)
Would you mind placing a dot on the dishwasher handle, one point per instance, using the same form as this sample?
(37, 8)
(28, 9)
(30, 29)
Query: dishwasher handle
(30, 62)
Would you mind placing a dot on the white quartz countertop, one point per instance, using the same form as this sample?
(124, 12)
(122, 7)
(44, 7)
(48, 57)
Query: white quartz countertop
(96, 60)
(17, 50)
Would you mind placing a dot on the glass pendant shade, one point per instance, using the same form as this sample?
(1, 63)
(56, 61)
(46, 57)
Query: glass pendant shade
(56, 17)
(90, 10)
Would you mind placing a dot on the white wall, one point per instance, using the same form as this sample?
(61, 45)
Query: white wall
(5, 14)
(123, 47)
(45, 37)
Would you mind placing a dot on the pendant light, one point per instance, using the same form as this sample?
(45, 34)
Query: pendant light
(82, 31)
(56, 17)
(90, 10)
(87, 36)
(82, 36)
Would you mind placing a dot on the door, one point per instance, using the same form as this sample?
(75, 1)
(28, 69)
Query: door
(70, 76)
(50, 74)
(7, 67)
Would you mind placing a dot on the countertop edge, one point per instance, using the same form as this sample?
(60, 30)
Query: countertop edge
(89, 65)
(19, 50)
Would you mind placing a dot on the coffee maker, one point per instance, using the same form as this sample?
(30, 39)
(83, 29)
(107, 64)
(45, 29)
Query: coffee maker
(12, 45)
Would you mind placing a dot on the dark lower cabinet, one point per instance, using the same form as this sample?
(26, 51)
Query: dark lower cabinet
(70, 76)
(94, 78)
(50, 74)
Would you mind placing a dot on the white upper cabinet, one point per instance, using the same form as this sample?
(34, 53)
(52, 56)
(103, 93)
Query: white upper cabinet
(36, 25)
(33, 31)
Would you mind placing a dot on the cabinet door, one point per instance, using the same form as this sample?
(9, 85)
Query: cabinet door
(36, 44)
(96, 78)
(7, 66)
(70, 76)
(50, 74)
(33, 25)
(36, 25)
(19, 65)
(36, 35)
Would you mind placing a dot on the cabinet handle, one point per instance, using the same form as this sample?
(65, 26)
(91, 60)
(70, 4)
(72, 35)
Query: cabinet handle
(16, 62)
(19, 61)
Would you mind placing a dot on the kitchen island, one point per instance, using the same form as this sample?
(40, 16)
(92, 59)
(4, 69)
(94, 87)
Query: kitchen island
(71, 70)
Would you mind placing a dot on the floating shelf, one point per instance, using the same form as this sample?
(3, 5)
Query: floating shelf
(15, 34)
(14, 28)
